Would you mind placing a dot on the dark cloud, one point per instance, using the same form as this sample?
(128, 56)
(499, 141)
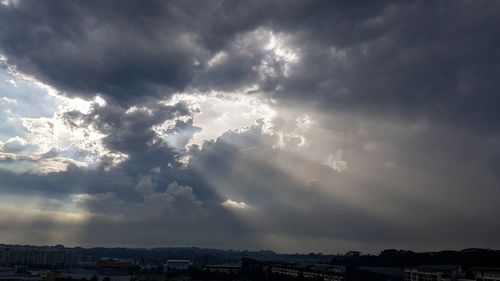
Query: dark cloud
(124, 51)
(151, 190)
(414, 84)
(414, 57)
(391, 205)
(425, 195)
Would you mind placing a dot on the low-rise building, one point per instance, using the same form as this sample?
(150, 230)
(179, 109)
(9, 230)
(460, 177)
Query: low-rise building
(433, 273)
(486, 273)
(37, 256)
(177, 265)
(228, 268)
(307, 271)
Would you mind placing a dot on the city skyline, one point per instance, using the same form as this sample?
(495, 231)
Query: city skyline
(292, 126)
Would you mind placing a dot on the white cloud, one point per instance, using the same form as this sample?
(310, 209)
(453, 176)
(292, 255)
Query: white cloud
(218, 112)
(85, 197)
(7, 101)
(164, 199)
(335, 162)
(10, 2)
(218, 58)
(40, 165)
(282, 51)
(12, 82)
(41, 137)
(235, 204)
(289, 128)
(279, 55)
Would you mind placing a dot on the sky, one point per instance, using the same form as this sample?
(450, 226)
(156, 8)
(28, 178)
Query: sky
(294, 126)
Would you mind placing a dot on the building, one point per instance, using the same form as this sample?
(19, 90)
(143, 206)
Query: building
(486, 273)
(433, 273)
(268, 270)
(363, 273)
(176, 265)
(307, 271)
(229, 268)
(37, 256)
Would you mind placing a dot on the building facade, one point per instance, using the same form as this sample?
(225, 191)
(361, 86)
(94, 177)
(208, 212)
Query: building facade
(177, 265)
(37, 256)
(433, 273)
(314, 272)
(486, 273)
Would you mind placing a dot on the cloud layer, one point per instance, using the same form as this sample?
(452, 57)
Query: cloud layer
(295, 126)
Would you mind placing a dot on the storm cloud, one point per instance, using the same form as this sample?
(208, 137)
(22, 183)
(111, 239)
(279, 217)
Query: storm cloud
(295, 126)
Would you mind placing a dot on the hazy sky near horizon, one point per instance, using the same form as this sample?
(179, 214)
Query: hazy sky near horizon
(286, 125)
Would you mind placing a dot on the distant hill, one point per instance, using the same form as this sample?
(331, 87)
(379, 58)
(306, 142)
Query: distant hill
(387, 258)
(404, 258)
